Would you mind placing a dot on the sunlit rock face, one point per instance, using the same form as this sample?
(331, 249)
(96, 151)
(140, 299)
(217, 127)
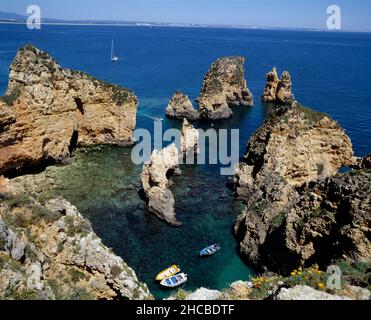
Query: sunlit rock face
(278, 91)
(49, 111)
(180, 107)
(224, 86)
(49, 251)
(156, 185)
(293, 198)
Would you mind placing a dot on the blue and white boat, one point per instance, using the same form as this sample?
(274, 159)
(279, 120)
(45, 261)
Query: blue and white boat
(174, 281)
(209, 251)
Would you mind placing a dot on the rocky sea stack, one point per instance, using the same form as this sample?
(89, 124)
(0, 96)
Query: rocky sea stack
(298, 144)
(48, 111)
(278, 90)
(298, 211)
(224, 85)
(180, 106)
(156, 185)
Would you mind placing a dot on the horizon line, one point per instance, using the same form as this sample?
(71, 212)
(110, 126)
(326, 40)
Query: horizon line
(133, 24)
(140, 23)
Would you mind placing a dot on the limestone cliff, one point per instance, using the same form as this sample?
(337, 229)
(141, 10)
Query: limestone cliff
(48, 111)
(49, 251)
(283, 228)
(224, 85)
(296, 143)
(297, 212)
(277, 90)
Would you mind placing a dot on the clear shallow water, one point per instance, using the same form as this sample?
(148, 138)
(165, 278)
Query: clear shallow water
(331, 73)
(99, 182)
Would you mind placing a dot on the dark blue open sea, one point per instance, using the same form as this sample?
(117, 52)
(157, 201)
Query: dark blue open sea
(331, 73)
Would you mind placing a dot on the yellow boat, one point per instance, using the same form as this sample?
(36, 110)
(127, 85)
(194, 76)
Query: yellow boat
(169, 272)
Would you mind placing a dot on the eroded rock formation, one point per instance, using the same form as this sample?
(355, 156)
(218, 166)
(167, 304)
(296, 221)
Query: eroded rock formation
(50, 252)
(298, 212)
(189, 139)
(48, 111)
(224, 85)
(296, 143)
(180, 107)
(277, 90)
(282, 227)
(155, 183)
(364, 163)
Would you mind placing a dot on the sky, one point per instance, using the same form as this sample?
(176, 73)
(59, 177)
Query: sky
(356, 14)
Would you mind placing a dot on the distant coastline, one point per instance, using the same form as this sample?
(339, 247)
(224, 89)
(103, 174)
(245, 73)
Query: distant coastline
(11, 18)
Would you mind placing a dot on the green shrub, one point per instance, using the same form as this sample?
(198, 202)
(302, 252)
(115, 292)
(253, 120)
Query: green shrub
(279, 219)
(81, 294)
(15, 265)
(311, 115)
(76, 275)
(30, 253)
(320, 168)
(2, 242)
(19, 200)
(17, 219)
(42, 213)
(116, 271)
(5, 196)
(260, 206)
(11, 97)
(4, 259)
(54, 286)
(81, 228)
(60, 247)
(357, 273)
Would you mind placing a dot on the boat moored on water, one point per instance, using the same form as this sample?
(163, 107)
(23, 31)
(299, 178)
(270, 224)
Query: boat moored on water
(209, 251)
(169, 272)
(174, 281)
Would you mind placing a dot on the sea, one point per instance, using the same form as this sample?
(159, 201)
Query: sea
(331, 73)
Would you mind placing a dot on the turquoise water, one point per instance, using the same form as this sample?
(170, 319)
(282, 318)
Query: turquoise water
(331, 73)
(104, 185)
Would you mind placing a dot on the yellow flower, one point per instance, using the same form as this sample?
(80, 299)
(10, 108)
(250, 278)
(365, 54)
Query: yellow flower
(321, 285)
(309, 272)
(293, 273)
(300, 273)
(300, 269)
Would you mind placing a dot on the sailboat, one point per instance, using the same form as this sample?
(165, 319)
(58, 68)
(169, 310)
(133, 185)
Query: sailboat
(113, 57)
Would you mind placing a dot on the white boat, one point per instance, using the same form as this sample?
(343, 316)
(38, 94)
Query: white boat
(209, 251)
(174, 281)
(113, 57)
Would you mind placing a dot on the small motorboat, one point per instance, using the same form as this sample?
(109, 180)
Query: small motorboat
(209, 251)
(169, 272)
(174, 281)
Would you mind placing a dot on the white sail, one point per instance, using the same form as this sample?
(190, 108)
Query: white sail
(113, 57)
